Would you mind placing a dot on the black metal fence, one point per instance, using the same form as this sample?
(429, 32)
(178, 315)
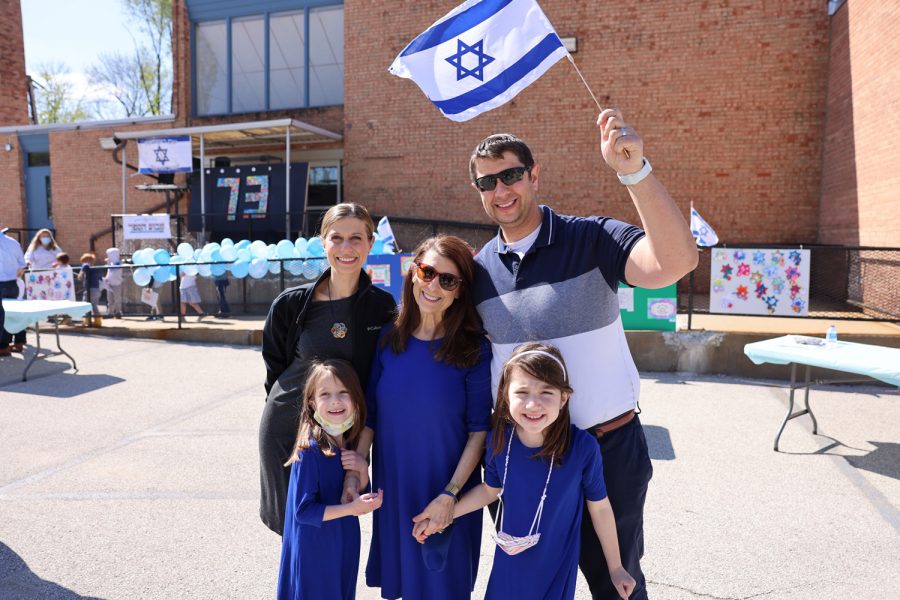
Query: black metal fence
(846, 282)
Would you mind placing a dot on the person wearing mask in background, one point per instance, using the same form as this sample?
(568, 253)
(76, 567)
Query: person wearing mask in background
(12, 265)
(42, 251)
(113, 281)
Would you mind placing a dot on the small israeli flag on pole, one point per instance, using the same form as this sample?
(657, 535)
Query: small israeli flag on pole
(701, 230)
(480, 55)
(385, 234)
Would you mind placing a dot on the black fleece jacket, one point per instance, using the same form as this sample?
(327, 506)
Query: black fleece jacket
(373, 308)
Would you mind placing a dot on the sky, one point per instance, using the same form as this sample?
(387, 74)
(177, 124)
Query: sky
(74, 32)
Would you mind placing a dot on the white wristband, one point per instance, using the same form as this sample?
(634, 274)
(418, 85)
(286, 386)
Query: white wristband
(637, 176)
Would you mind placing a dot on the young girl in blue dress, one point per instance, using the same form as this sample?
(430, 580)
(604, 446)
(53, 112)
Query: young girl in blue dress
(543, 469)
(320, 547)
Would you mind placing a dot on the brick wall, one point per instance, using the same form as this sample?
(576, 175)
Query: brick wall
(729, 96)
(12, 197)
(860, 200)
(13, 90)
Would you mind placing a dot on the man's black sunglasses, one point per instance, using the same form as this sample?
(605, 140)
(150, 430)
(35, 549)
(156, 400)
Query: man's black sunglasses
(488, 183)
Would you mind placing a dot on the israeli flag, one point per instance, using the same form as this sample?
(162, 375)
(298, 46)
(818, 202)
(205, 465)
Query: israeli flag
(385, 234)
(480, 55)
(165, 154)
(701, 230)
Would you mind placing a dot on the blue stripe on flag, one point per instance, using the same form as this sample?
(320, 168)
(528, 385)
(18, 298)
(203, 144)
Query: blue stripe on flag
(451, 28)
(504, 81)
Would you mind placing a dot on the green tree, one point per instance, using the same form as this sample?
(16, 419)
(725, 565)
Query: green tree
(54, 96)
(140, 82)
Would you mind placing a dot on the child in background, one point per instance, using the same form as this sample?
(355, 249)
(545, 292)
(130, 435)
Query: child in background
(190, 295)
(320, 546)
(90, 279)
(67, 279)
(543, 469)
(113, 282)
(221, 287)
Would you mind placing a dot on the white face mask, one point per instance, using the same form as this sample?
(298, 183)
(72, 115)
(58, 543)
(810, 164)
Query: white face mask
(514, 544)
(45, 241)
(334, 429)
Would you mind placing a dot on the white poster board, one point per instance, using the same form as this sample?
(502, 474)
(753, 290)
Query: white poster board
(759, 281)
(56, 284)
(146, 227)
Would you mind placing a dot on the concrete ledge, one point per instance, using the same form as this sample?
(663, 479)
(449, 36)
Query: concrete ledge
(697, 351)
(721, 353)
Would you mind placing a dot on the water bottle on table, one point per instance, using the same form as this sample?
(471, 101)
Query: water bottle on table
(831, 336)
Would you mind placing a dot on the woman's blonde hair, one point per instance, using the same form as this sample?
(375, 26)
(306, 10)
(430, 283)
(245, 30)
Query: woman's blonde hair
(343, 211)
(36, 240)
(344, 372)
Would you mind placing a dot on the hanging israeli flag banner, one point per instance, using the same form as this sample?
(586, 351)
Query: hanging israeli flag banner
(480, 55)
(701, 230)
(165, 154)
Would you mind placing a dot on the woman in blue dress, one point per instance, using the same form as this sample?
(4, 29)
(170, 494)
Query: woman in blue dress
(429, 404)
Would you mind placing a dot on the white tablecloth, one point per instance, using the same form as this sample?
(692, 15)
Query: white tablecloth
(878, 362)
(22, 313)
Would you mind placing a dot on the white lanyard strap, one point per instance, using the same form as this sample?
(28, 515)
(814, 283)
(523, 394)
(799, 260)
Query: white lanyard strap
(536, 522)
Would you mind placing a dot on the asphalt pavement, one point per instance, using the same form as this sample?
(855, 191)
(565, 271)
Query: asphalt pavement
(137, 477)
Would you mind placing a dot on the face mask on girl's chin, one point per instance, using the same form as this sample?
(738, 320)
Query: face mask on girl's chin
(334, 429)
(45, 241)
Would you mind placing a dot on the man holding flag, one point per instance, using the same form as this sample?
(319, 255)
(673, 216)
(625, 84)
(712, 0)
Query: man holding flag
(554, 278)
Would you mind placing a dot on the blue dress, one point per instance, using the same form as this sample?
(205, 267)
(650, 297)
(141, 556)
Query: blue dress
(548, 569)
(422, 412)
(318, 559)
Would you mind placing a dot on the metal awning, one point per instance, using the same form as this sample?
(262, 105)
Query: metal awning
(230, 136)
(233, 136)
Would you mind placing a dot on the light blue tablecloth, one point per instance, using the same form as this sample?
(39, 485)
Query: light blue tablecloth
(878, 362)
(22, 313)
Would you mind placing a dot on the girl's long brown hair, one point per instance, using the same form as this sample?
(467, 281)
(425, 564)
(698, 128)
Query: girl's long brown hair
(461, 344)
(557, 436)
(344, 372)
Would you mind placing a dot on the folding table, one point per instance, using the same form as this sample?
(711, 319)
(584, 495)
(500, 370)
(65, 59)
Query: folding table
(877, 362)
(22, 313)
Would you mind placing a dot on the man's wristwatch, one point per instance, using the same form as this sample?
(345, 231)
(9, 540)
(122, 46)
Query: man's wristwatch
(637, 176)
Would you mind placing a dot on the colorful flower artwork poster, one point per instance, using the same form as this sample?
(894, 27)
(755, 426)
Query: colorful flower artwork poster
(759, 281)
(57, 284)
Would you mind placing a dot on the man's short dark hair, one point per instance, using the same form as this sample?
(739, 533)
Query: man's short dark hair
(493, 146)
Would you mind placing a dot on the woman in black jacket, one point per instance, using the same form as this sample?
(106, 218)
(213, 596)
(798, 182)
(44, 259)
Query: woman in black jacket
(337, 316)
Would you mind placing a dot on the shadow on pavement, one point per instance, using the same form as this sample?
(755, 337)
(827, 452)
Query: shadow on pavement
(62, 385)
(659, 442)
(883, 460)
(18, 581)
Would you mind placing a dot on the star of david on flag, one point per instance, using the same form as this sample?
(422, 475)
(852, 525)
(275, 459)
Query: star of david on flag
(701, 230)
(480, 55)
(165, 155)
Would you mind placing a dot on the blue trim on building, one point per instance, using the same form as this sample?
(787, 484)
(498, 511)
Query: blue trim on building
(214, 10)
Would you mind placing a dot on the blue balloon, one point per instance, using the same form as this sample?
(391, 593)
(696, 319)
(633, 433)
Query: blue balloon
(162, 274)
(258, 268)
(217, 270)
(141, 276)
(227, 253)
(285, 249)
(161, 257)
(240, 269)
(315, 248)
